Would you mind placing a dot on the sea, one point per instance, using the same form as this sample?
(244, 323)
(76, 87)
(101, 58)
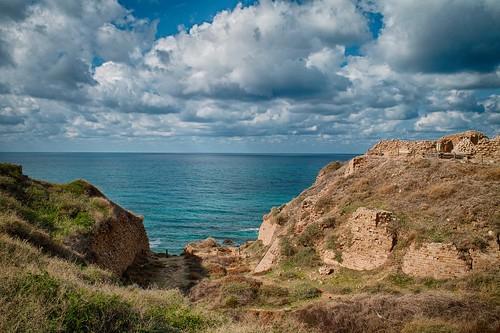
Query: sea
(186, 197)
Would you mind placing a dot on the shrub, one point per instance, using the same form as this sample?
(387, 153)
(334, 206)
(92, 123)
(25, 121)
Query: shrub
(327, 222)
(331, 242)
(277, 217)
(401, 280)
(11, 170)
(304, 257)
(323, 204)
(441, 191)
(310, 235)
(286, 248)
(240, 292)
(273, 295)
(331, 167)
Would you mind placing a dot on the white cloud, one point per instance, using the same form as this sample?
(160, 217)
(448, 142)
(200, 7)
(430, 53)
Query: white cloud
(269, 72)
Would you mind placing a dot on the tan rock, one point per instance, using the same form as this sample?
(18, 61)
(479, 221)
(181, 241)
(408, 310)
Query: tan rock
(269, 259)
(114, 243)
(325, 270)
(267, 231)
(355, 164)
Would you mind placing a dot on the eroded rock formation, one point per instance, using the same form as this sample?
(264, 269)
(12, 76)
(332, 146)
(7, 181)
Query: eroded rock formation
(114, 242)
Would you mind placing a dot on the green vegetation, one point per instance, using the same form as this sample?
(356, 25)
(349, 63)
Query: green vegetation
(312, 232)
(55, 296)
(305, 291)
(59, 210)
(303, 257)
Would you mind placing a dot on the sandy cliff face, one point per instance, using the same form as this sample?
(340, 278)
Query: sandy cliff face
(115, 240)
(426, 208)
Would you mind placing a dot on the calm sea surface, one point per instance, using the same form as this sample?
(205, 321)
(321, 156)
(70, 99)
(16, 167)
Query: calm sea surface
(186, 197)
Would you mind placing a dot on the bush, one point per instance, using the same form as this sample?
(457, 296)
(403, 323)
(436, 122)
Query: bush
(401, 280)
(239, 292)
(310, 235)
(304, 257)
(11, 170)
(277, 217)
(286, 248)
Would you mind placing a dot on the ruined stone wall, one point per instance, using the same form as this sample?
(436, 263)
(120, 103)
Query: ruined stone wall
(355, 164)
(437, 260)
(486, 259)
(402, 148)
(488, 150)
(371, 241)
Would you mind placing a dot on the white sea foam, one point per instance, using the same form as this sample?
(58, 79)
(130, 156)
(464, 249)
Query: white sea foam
(155, 242)
(250, 229)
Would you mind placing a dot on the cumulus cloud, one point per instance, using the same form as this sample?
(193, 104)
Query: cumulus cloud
(273, 72)
(441, 36)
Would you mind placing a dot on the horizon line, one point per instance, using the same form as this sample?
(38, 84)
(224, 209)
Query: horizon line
(177, 153)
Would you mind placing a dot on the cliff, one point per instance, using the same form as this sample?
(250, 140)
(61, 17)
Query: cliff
(404, 238)
(425, 208)
(74, 220)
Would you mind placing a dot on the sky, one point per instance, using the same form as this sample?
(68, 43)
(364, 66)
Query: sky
(252, 76)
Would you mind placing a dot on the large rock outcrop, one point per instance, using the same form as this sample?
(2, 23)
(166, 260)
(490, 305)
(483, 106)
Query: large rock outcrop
(115, 242)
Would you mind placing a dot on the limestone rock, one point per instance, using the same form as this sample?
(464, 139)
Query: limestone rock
(267, 231)
(355, 164)
(464, 146)
(325, 270)
(116, 242)
(269, 259)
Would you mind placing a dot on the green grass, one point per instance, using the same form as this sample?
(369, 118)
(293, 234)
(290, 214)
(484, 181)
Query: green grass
(304, 291)
(304, 257)
(60, 210)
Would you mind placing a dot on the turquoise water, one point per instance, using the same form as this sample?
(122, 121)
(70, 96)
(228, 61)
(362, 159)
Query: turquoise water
(186, 197)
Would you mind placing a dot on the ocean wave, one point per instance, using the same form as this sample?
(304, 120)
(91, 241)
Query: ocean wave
(155, 242)
(249, 229)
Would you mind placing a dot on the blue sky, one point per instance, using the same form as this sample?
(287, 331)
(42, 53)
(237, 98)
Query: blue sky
(173, 13)
(251, 76)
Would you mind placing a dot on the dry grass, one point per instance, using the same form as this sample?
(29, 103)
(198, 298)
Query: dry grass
(39, 293)
(386, 313)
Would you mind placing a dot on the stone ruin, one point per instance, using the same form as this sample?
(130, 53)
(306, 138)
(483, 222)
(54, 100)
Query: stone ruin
(472, 145)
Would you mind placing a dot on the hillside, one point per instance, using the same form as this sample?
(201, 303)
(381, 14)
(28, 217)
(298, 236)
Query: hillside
(402, 239)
